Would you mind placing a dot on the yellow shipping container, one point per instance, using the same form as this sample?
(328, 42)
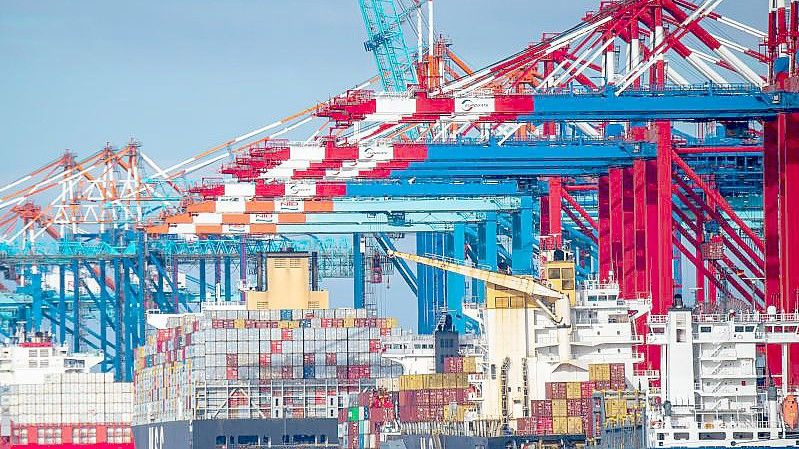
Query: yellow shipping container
(575, 425)
(560, 425)
(559, 408)
(615, 408)
(349, 322)
(573, 390)
(456, 413)
(294, 324)
(391, 322)
(412, 382)
(283, 324)
(600, 371)
(238, 324)
(469, 365)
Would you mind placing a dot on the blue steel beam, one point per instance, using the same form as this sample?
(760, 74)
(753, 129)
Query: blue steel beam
(688, 103)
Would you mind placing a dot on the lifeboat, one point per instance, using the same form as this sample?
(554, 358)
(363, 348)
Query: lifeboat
(790, 414)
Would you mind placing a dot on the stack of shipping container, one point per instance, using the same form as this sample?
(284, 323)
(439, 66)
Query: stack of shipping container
(361, 423)
(259, 364)
(79, 408)
(568, 407)
(423, 401)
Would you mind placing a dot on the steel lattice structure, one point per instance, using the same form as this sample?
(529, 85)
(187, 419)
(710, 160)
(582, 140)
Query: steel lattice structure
(651, 134)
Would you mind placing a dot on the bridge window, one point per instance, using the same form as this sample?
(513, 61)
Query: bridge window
(681, 436)
(248, 439)
(567, 273)
(704, 436)
(742, 435)
(554, 273)
(705, 329)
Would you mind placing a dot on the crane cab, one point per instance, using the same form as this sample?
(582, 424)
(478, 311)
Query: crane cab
(559, 272)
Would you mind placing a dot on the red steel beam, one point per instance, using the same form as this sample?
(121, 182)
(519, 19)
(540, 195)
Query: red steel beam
(605, 261)
(662, 300)
(628, 281)
(733, 281)
(579, 209)
(581, 224)
(719, 200)
(616, 224)
(754, 265)
(639, 213)
(555, 215)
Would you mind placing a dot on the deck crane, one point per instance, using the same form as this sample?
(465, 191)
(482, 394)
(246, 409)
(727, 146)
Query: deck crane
(532, 289)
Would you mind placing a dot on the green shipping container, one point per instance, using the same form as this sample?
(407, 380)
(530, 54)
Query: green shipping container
(354, 414)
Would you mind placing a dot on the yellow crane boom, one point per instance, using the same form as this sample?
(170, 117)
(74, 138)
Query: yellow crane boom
(537, 291)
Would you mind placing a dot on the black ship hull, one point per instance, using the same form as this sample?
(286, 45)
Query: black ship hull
(235, 433)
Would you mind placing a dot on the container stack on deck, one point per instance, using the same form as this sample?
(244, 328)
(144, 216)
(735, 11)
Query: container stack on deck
(264, 363)
(569, 406)
(71, 408)
(361, 423)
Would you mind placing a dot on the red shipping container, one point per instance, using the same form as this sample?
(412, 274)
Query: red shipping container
(232, 373)
(586, 389)
(309, 359)
(588, 406)
(555, 390)
(377, 415)
(616, 371)
(541, 408)
(264, 359)
(287, 372)
(574, 407)
(374, 345)
(330, 358)
(588, 426)
(232, 359)
(341, 372)
(277, 347)
(423, 397)
(407, 398)
(618, 384)
(450, 395)
(544, 426)
(602, 385)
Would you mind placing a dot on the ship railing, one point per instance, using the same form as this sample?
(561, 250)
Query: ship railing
(649, 373)
(660, 319)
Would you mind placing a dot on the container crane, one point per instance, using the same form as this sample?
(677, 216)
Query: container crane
(541, 295)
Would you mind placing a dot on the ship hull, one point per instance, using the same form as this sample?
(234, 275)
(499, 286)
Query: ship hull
(205, 434)
(71, 446)
(469, 442)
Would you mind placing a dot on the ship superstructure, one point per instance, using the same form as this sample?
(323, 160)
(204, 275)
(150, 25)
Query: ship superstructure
(715, 391)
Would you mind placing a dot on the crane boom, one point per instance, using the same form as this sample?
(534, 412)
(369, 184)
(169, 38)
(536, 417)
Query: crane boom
(537, 291)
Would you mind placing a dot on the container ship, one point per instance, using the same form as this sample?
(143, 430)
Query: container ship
(274, 370)
(559, 369)
(50, 399)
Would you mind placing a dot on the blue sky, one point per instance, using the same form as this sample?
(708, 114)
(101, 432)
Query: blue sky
(184, 75)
